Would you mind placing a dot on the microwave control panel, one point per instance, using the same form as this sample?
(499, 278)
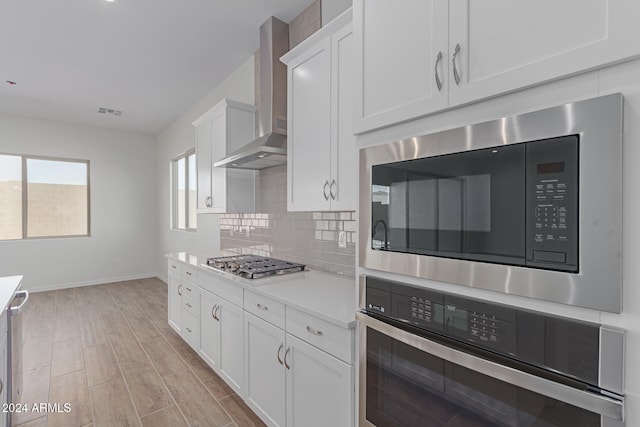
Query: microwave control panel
(552, 203)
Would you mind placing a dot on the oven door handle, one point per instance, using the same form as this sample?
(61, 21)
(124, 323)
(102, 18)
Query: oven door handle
(599, 404)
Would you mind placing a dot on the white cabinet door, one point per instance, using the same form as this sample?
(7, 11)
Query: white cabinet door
(400, 45)
(232, 345)
(210, 329)
(219, 150)
(227, 126)
(320, 388)
(203, 163)
(175, 302)
(507, 45)
(344, 163)
(309, 130)
(264, 374)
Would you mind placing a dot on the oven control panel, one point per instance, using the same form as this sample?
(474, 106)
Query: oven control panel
(530, 336)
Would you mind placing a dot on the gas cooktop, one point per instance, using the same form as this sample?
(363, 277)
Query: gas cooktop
(253, 266)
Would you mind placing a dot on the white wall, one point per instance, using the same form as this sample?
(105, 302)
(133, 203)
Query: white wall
(176, 139)
(332, 8)
(624, 78)
(122, 174)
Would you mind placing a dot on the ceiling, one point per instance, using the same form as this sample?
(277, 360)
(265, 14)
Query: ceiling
(150, 59)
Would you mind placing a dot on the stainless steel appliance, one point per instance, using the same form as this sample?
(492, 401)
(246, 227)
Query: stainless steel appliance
(527, 205)
(253, 266)
(14, 350)
(431, 358)
(270, 149)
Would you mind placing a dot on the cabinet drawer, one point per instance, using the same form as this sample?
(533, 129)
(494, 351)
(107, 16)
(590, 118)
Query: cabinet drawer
(190, 330)
(326, 336)
(190, 305)
(175, 267)
(189, 289)
(265, 308)
(229, 291)
(190, 273)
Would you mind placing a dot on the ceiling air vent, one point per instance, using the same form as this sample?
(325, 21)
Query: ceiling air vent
(109, 111)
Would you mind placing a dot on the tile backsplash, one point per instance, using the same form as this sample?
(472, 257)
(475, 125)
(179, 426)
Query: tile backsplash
(310, 238)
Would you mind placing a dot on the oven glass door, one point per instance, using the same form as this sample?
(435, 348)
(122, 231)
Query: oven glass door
(404, 386)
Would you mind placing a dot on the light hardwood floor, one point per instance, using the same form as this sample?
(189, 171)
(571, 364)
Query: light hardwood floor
(108, 352)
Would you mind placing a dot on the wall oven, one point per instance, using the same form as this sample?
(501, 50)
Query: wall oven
(527, 205)
(430, 358)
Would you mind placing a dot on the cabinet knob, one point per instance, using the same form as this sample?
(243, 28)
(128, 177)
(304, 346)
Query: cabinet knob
(456, 74)
(437, 71)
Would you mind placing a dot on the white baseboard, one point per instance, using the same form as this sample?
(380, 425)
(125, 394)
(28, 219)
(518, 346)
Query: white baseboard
(89, 283)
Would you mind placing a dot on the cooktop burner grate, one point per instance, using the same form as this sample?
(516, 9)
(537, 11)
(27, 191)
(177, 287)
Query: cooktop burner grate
(253, 266)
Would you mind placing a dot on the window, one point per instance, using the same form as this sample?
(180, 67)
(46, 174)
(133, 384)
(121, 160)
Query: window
(183, 197)
(43, 197)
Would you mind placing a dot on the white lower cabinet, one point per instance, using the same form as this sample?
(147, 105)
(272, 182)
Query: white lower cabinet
(175, 302)
(319, 387)
(290, 382)
(291, 368)
(210, 330)
(264, 368)
(221, 342)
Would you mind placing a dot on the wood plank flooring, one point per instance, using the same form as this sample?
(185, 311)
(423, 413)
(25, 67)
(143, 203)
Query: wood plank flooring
(108, 352)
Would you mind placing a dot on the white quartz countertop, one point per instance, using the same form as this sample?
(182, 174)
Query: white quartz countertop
(327, 296)
(8, 287)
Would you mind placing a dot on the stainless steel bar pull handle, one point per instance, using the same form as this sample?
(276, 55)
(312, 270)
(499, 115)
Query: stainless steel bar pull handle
(456, 74)
(437, 71)
(179, 287)
(278, 355)
(18, 309)
(313, 331)
(324, 191)
(333, 183)
(262, 307)
(217, 312)
(213, 311)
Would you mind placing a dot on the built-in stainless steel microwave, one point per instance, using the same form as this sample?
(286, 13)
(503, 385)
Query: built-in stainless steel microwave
(527, 205)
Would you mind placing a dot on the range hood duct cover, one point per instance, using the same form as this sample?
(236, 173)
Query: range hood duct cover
(271, 148)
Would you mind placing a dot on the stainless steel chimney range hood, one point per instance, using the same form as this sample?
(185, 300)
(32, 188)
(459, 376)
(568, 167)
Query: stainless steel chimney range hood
(270, 149)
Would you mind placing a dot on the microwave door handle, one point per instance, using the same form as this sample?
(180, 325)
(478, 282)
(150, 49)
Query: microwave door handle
(602, 405)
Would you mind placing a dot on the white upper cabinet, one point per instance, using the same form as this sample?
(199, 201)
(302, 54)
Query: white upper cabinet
(321, 154)
(344, 163)
(506, 45)
(401, 60)
(225, 128)
(407, 50)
